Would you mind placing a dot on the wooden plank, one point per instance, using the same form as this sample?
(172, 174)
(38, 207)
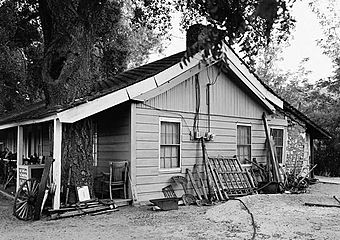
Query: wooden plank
(42, 188)
(201, 182)
(57, 140)
(220, 196)
(321, 205)
(193, 183)
(275, 164)
(92, 107)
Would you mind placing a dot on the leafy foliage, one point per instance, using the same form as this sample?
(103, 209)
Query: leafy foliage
(319, 101)
(121, 39)
(248, 23)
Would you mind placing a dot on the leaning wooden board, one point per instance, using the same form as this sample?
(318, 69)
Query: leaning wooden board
(42, 187)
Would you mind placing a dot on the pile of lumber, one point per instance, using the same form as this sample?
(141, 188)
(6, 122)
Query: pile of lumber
(92, 207)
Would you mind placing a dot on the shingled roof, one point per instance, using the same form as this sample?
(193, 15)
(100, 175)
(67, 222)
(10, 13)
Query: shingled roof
(133, 76)
(100, 88)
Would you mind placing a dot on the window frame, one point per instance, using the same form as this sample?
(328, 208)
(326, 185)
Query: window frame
(169, 120)
(283, 142)
(251, 142)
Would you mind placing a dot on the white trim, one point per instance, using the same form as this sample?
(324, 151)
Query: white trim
(285, 139)
(170, 170)
(177, 78)
(131, 92)
(141, 87)
(171, 120)
(92, 107)
(243, 124)
(28, 122)
(57, 138)
(249, 78)
(251, 141)
(137, 90)
(133, 167)
(176, 70)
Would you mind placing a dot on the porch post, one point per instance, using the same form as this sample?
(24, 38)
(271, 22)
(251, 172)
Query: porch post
(133, 153)
(20, 151)
(57, 137)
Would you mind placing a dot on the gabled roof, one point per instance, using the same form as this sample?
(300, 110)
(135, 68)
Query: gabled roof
(132, 84)
(40, 111)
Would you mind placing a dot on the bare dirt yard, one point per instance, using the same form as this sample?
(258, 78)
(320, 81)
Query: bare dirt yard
(276, 216)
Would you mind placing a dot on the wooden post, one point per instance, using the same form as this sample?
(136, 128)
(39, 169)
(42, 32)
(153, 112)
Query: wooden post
(132, 170)
(275, 164)
(20, 151)
(57, 138)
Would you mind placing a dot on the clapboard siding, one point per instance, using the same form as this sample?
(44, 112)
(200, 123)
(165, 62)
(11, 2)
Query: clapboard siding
(230, 106)
(150, 180)
(113, 129)
(226, 96)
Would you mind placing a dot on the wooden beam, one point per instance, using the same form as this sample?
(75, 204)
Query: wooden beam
(57, 139)
(92, 107)
(132, 173)
(20, 150)
(27, 122)
(274, 162)
(242, 71)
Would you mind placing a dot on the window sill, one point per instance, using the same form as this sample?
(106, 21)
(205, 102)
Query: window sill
(170, 170)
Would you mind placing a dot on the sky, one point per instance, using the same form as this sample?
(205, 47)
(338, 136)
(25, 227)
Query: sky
(303, 44)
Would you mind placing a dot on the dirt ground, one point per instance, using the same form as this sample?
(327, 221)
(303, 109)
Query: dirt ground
(281, 216)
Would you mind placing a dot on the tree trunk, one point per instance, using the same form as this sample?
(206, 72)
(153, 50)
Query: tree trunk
(77, 151)
(68, 41)
(66, 72)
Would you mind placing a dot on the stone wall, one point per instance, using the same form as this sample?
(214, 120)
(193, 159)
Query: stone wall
(298, 150)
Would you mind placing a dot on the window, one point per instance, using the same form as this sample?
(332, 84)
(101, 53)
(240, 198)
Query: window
(277, 135)
(243, 143)
(170, 145)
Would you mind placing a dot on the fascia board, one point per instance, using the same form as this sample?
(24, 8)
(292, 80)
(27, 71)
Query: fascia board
(141, 87)
(174, 79)
(249, 79)
(92, 107)
(34, 121)
(176, 69)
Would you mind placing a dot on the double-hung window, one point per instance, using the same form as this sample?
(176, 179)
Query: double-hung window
(243, 143)
(170, 144)
(277, 135)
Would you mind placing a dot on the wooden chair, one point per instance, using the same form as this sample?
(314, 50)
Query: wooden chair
(117, 178)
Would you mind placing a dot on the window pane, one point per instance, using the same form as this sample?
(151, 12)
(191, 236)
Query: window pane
(279, 154)
(162, 158)
(170, 145)
(243, 143)
(278, 140)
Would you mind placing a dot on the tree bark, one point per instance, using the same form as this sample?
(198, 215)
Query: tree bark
(66, 72)
(77, 151)
(68, 42)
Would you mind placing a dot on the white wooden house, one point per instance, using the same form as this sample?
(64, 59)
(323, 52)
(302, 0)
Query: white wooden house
(153, 115)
